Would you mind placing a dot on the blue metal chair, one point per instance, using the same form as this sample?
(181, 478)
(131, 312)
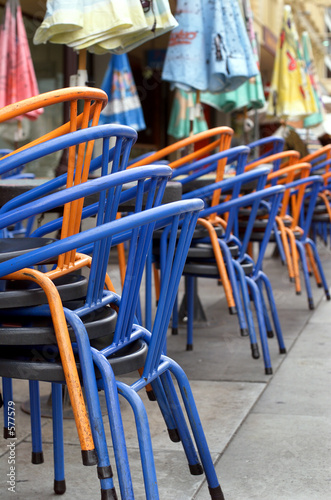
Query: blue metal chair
(205, 265)
(107, 211)
(138, 228)
(118, 157)
(269, 145)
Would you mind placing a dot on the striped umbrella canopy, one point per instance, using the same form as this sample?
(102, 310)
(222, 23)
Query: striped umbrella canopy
(17, 77)
(101, 26)
(186, 118)
(318, 117)
(124, 105)
(291, 92)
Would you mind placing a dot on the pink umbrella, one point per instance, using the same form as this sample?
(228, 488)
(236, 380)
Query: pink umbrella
(17, 77)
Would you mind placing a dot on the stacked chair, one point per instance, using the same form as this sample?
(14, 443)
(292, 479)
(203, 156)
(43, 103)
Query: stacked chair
(93, 102)
(90, 331)
(321, 221)
(241, 269)
(294, 227)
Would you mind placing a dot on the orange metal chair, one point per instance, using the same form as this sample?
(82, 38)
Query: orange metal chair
(220, 138)
(94, 101)
(78, 168)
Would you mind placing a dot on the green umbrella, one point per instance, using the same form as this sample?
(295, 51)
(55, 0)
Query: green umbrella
(315, 118)
(186, 118)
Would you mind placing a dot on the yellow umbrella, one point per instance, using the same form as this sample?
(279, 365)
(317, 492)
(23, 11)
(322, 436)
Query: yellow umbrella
(291, 93)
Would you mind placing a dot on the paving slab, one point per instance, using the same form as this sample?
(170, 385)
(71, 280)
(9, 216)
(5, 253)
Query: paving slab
(277, 457)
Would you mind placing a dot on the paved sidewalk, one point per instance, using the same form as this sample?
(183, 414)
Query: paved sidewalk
(270, 436)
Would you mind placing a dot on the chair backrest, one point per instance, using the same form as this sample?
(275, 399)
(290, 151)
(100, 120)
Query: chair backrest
(278, 160)
(320, 160)
(286, 176)
(237, 157)
(123, 136)
(269, 146)
(138, 229)
(272, 194)
(94, 100)
(191, 148)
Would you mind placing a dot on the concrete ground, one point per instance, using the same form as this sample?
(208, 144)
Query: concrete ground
(270, 436)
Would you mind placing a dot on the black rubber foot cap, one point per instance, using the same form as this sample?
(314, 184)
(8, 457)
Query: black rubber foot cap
(8, 434)
(270, 334)
(268, 371)
(104, 472)
(255, 351)
(151, 396)
(292, 280)
(311, 304)
(174, 331)
(174, 436)
(232, 310)
(37, 457)
(244, 332)
(327, 296)
(319, 285)
(89, 457)
(282, 350)
(108, 494)
(216, 493)
(59, 487)
(189, 347)
(196, 469)
(298, 293)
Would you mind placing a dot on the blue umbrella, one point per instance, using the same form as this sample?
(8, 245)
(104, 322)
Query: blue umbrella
(210, 49)
(124, 105)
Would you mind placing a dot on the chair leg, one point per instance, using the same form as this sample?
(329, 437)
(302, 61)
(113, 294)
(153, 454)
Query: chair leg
(148, 291)
(263, 277)
(190, 283)
(174, 328)
(108, 385)
(7, 389)
(246, 300)
(215, 490)
(165, 409)
(313, 266)
(144, 439)
(302, 253)
(104, 469)
(260, 318)
(270, 332)
(35, 417)
(235, 290)
(295, 261)
(283, 244)
(58, 446)
(317, 259)
(185, 437)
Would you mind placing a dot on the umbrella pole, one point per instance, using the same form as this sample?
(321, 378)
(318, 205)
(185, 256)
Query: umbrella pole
(81, 78)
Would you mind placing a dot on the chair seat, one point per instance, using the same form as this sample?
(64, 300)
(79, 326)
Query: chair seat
(205, 251)
(210, 270)
(199, 233)
(321, 217)
(24, 363)
(27, 293)
(14, 247)
(19, 331)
